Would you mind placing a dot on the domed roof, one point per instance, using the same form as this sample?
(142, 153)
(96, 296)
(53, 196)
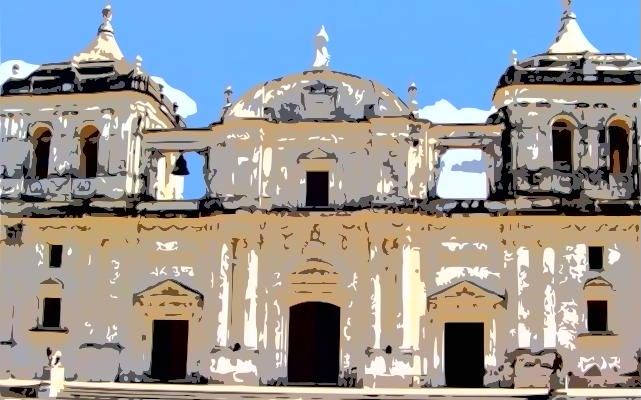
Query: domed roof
(319, 94)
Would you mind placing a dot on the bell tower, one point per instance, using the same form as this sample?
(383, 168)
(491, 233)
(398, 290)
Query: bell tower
(572, 119)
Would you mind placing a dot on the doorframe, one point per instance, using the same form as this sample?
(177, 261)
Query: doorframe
(151, 358)
(444, 339)
(319, 281)
(342, 318)
(169, 300)
(464, 302)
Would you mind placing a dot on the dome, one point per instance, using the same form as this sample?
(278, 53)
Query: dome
(317, 95)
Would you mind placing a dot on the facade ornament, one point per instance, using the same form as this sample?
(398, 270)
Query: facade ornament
(227, 98)
(106, 20)
(228, 93)
(320, 45)
(513, 58)
(15, 70)
(411, 94)
(104, 46)
(570, 39)
(138, 65)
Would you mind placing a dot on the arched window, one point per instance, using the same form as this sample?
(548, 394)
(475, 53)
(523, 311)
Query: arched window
(89, 138)
(41, 142)
(562, 145)
(618, 134)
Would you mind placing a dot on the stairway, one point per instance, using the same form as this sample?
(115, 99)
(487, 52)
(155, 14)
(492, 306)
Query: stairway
(146, 392)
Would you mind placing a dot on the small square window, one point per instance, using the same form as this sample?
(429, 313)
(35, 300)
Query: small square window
(51, 312)
(55, 256)
(595, 258)
(597, 316)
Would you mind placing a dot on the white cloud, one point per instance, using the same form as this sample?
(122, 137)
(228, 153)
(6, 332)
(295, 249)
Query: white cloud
(444, 112)
(463, 173)
(6, 69)
(186, 105)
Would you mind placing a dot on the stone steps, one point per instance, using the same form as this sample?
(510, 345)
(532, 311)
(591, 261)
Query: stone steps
(87, 393)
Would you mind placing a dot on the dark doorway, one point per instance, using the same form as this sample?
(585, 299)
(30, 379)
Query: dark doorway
(562, 147)
(314, 344)
(464, 355)
(41, 141)
(619, 149)
(169, 349)
(89, 139)
(317, 189)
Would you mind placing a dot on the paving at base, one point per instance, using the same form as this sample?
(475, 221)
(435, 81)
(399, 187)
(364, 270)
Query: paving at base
(107, 390)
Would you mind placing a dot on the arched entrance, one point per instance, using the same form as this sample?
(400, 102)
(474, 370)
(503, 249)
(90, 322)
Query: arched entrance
(314, 344)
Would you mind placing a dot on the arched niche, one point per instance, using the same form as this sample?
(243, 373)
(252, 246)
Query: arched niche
(563, 133)
(619, 146)
(40, 137)
(89, 143)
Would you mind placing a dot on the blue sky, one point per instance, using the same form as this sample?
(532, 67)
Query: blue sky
(453, 50)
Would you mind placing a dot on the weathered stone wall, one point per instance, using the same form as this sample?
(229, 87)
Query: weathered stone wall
(263, 165)
(532, 111)
(116, 115)
(381, 269)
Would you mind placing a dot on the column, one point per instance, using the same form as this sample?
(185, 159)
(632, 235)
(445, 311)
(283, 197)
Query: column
(224, 275)
(413, 306)
(549, 300)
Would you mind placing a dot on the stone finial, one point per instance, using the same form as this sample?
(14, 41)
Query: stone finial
(320, 46)
(138, 65)
(513, 58)
(106, 20)
(161, 87)
(175, 108)
(228, 93)
(56, 359)
(15, 70)
(411, 94)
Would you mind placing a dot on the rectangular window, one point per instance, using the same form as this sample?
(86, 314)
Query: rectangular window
(597, 316)
(55, 255)
(595, 258)
(317, 189)
(51, 308)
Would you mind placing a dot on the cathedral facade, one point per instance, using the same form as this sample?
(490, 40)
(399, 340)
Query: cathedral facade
(322, 252)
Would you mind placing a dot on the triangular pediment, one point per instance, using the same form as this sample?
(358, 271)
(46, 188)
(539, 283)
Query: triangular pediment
(317, 154)
(169, 288)
(50, 281)
(466, 289)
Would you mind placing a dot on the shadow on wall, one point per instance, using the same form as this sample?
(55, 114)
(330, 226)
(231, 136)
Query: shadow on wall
(463, 175)
(194, 188)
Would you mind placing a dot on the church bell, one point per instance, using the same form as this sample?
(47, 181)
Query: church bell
(180, 168)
